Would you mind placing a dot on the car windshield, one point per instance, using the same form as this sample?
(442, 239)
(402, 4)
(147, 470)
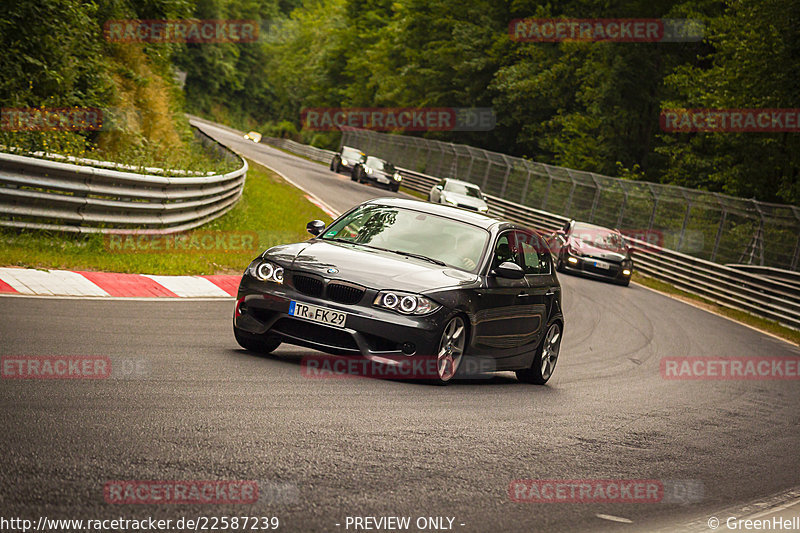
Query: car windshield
(598, 236)
(454, 243)
(463, 188)
(351, 153)
(379, 164)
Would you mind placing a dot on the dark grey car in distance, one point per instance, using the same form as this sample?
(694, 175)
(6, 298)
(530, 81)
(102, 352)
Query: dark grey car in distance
(394, 279)
(593, 251)
(347, 158)
(378, 171)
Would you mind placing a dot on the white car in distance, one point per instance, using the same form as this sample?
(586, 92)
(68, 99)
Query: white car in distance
(459, 194)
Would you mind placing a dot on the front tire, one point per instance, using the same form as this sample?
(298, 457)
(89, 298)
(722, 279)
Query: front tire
(255, 343)
(544, 363)
(451, 349)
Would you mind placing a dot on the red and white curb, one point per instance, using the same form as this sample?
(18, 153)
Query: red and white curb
(105, 284)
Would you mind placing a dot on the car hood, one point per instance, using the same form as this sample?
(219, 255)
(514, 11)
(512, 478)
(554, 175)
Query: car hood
(374, 269)
(464, 199)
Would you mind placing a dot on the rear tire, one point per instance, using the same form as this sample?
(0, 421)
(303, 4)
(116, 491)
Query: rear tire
(255, 343)
(544, 362)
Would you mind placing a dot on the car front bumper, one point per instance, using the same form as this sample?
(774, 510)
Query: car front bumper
(587, 266)
(262, 308)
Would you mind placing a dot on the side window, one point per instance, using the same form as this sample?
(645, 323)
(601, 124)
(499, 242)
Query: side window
(442, 183)
(506, 250)
(534, 254)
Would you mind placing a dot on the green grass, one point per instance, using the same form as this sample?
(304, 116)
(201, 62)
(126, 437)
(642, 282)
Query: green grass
(270, 212)
(763, 324)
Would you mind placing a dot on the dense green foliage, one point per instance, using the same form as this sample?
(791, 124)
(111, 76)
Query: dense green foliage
(591, 106)
(587, 105)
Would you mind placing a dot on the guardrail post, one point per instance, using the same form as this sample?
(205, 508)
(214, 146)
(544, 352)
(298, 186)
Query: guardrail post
(568, 207)
(655, 206)
(486, 175)
(525, 187)
(718, 238)
(621, 214)
(505, 178)
(597, 191)
(796, 256)
(685, 223)
(547, 188)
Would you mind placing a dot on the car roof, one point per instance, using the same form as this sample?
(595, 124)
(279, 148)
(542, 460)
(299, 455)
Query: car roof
(351, 148)
(470, 217)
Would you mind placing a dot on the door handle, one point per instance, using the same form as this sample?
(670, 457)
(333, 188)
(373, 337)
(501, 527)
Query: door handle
(550, 292)
(523, 295)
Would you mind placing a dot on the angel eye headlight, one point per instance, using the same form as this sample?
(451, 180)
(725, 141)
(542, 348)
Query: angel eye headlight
(266, 271)
(404, 303)
(408, 304)
(390, 300)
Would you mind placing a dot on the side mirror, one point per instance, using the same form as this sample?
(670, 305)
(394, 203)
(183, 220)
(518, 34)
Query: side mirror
(315, 227)
(509, 270)
(440, 187)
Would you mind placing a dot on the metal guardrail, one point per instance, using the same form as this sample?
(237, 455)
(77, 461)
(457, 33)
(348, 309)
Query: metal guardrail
(305, 150)
(707, 225)
(768, 298)
(53, 195)
(790, 277)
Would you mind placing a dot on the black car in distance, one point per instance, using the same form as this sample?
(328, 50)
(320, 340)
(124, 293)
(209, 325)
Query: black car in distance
(593, 251)
(378, 171)
(395, 279)
(347, 158)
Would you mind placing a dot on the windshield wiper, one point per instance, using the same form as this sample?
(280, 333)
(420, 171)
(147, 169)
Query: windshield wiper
(419, 256)
(339, 239)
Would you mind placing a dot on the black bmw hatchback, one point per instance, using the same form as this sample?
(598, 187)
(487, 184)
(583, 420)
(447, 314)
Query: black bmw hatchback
(394, 279)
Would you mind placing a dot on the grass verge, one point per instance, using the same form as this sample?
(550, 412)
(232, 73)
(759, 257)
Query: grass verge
(270, 212)
(763, 324)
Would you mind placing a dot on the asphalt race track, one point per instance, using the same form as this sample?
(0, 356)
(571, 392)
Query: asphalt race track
(201, 408)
